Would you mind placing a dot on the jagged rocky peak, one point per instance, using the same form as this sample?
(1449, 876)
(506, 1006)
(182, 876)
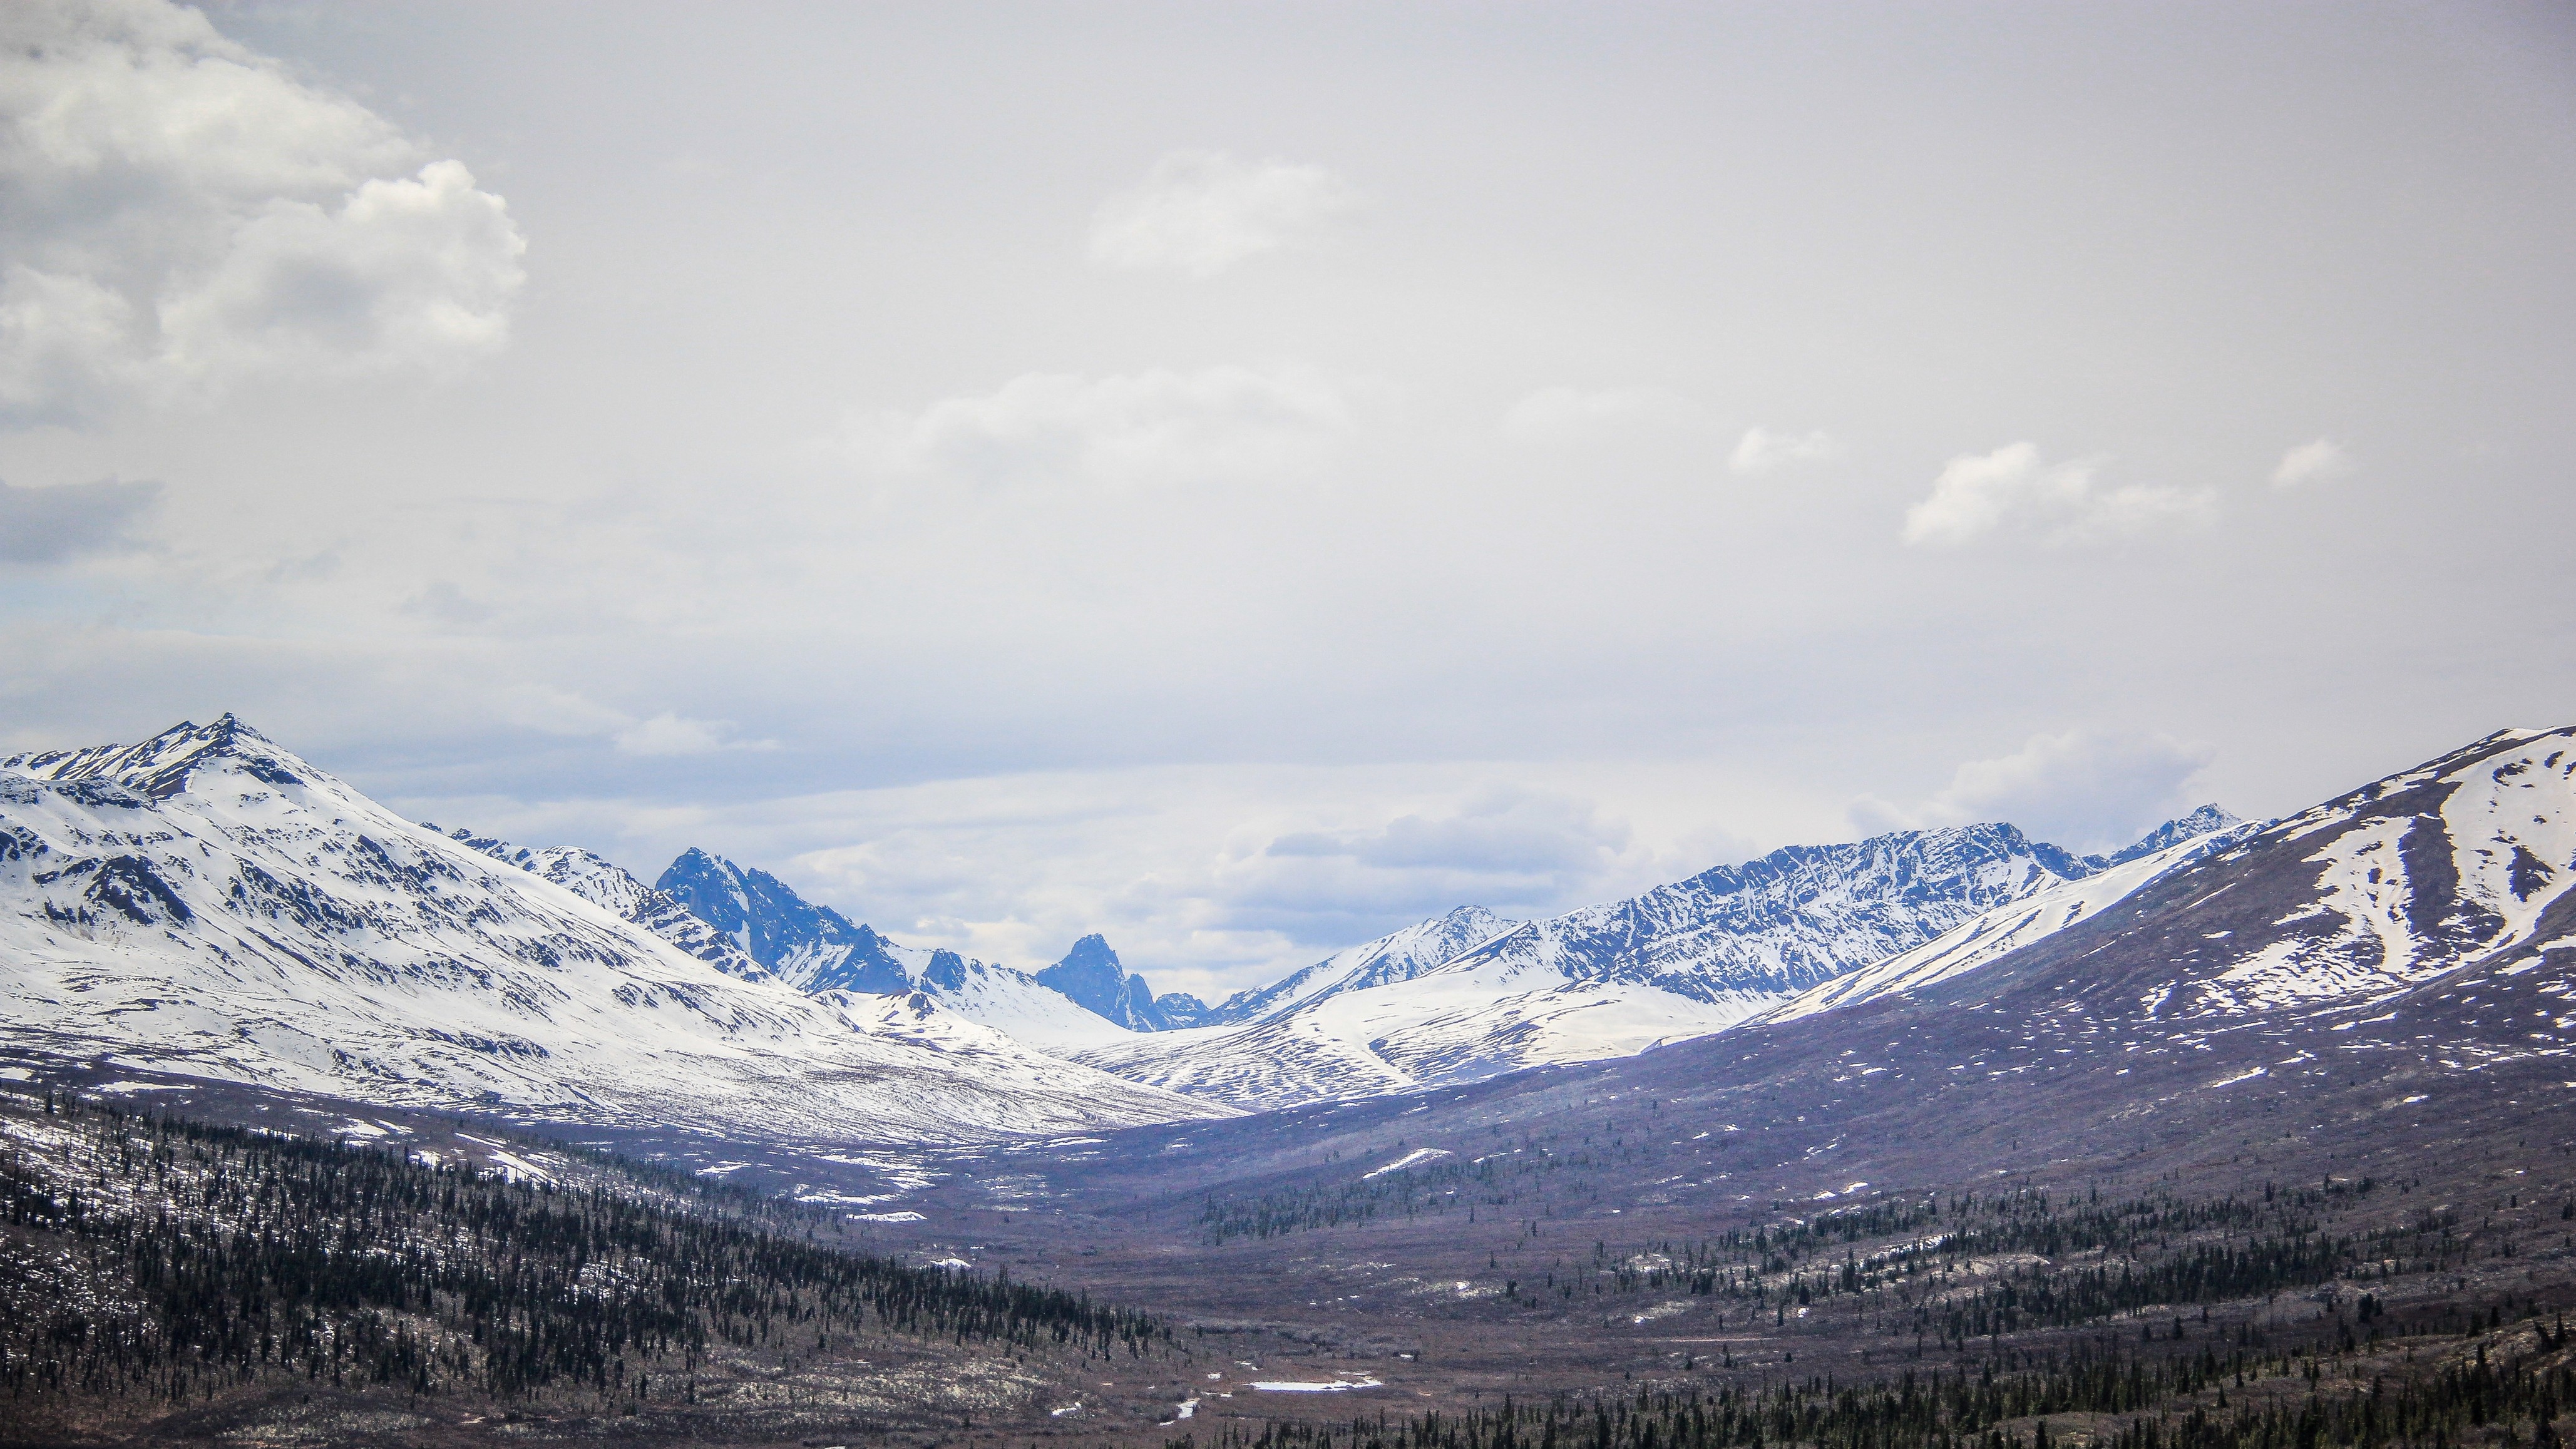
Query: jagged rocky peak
(606, 884)
(2207, 820)
(1093, 978)
(764, 916)
(163, 765)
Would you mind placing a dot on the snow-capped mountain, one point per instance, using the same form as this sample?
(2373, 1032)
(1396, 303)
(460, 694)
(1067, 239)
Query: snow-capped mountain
(817, 949)
(604, 883)
(207, 903)
(2430, 915)
(1679, 961)
(2008, 928)
(2464, 862)
(1092, 977)
(1400, 956)
(1744, 936)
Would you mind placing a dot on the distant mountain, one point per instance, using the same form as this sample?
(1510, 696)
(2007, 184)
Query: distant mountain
(1398, 957)
(817, 949)
(1093, 978)
(604, 883)
(2205, 821)
(1679, 961)
(1743, 936)
(2008, 928)
(814, 947)
(2361, 1009)
(208, 904)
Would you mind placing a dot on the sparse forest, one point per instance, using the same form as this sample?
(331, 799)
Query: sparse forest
(167, 1261)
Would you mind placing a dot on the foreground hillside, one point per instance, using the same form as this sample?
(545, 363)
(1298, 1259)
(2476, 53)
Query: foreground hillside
(171, 1279)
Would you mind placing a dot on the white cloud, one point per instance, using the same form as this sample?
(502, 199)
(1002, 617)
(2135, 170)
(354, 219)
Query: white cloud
(1567, 414)
(1763, 451)
(2013, 490)
(408, 272)
(1203, 211)
(2316, 462)
(1155, 427)
(2084, 789)
(180, 212)
(671, 734)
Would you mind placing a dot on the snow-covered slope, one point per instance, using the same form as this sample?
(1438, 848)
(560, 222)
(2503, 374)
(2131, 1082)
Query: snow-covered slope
(2404, 910)
(2449, 863)
(207, 903)
(1742, 937)
(1400, 956)
(1680, 961)
(2008, 928)
(817, 949)
(605, 883)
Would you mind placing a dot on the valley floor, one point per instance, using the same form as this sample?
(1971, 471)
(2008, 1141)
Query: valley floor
(2397, 1277)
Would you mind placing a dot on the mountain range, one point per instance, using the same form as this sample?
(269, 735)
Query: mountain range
(206, 903)
(210, 902)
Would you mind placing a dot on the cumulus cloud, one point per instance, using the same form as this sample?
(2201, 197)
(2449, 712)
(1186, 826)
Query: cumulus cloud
(2012, 489)
(1202, 212)
(2315, 462)
(1567, 414)
(46, 525)
(1764, 451)
(180, 212)
(2085, 789)
(1154, 427)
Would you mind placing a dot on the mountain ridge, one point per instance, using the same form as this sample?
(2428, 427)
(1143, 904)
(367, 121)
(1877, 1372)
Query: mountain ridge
(208, 903)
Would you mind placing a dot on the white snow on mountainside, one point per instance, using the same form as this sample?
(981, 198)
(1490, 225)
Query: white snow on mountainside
(605, 883)
(1399, 956)
(206, 903)
(2003, 930)
(1741, 937)
(1680, 961)
(817, 949)
(2414, 875)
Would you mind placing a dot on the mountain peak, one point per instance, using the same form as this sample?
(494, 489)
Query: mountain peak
(2207, 820)
(763, 914)
(1093, 977)
(163, 766)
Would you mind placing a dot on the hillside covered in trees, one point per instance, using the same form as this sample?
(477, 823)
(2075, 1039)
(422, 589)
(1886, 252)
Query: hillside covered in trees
(161, 1271)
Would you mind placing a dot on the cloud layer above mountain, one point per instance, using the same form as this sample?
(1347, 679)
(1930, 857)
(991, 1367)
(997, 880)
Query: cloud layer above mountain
(1241, 479)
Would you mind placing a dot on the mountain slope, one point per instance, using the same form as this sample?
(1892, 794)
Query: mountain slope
(606, 884)
(2009, 928)
(817, 949)
(1399, 956)
(2376, 991)
(207, 903)
(1745, 935)
(1680, 961)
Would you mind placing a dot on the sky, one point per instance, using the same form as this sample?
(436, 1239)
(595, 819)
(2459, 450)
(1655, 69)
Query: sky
(1242, 478)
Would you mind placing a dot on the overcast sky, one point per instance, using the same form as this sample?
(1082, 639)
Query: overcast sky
(1244, 478)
